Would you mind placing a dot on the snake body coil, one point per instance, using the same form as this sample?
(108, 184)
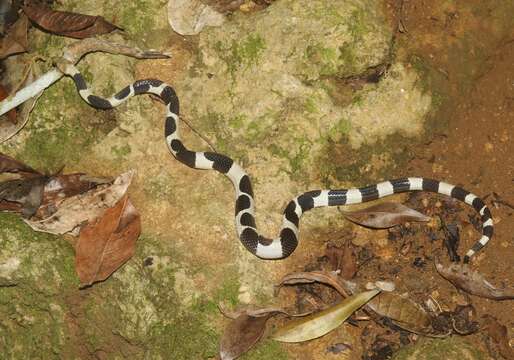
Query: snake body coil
(286, 242)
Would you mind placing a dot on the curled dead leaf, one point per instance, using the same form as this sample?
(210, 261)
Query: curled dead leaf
(61, 187)
(8, 14)
(189, 17)
(324, 277)
(384, 215)
(27, 192)
(241, 335)
(75, 211)
(500, 336)
(107, 243)
(8, 164)
(404, 312)
(464, 278)
(15, 41)
(256, 312)
(66, 23)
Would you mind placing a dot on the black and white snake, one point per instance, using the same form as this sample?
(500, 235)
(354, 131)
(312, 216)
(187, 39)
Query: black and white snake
(286, 242)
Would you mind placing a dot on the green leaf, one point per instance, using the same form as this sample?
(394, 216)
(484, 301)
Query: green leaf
(316, 325)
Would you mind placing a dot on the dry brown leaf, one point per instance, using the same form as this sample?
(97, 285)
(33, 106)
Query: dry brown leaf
(349, 262)
(224, 6)
(323, 277)
(27, 192)
(8, 14)
(64, 186)
(256, 312)
(8, 164)
(15, 41)
(9, 129)
(462, 277)
(73, 212)
(404, 312)
(384, 215)
(334, 256)
(500, 335)
(107, 243)
(241, 335)
(189, 17)
(66, 23)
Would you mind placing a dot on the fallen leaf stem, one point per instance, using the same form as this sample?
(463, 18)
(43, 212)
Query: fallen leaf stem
(72, 54)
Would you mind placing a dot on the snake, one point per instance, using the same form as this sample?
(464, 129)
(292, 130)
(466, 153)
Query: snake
(286, 242)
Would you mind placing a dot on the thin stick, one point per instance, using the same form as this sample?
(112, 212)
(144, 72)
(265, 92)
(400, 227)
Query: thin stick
(198, 133)
(73, 54)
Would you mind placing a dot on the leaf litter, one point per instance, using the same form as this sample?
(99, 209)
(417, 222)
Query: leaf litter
(107, 243)
(73, 212)
(66, 23)
(384, 215)
(320, 323)
(98, 209)
(15, 41)
(241, 335)
(189, 17)
(464, 278)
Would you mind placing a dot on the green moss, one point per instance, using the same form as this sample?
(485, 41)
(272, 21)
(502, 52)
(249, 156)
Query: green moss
(229, 290)
(188, 337)
(342, 127)
(48, 46)
(330, 14)
(238, 121)
(265, 350)
(347, 55)
(325, 59)
(241, 54)
(121, 151)
(56, 135)
(137, 17)
(310, 106)
(32, 312)
(296, 157)
(358, 24)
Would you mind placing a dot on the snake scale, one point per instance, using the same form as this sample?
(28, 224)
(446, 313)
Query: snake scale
(287, 240)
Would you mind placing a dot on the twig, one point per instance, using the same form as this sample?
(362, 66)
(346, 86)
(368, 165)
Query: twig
(198, 133)
(73, 54)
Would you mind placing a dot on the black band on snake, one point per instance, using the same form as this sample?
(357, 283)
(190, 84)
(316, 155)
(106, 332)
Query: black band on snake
(283, 245)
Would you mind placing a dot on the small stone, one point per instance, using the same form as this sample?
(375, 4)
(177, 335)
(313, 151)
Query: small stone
(247, 7)
(244, 296)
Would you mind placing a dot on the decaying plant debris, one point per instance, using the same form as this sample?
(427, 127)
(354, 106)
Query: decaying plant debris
(98, 209)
